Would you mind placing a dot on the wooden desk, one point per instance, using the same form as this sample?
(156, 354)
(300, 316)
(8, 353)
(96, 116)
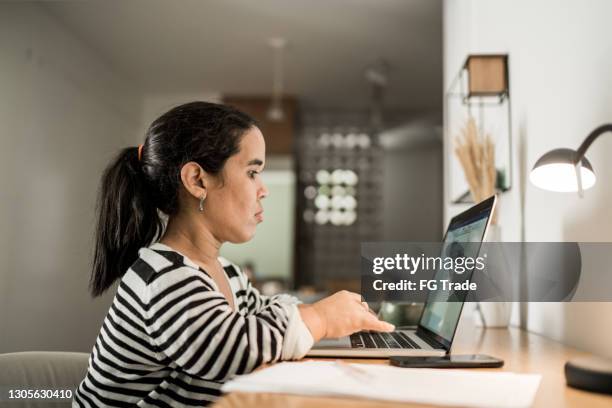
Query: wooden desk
(523, 352)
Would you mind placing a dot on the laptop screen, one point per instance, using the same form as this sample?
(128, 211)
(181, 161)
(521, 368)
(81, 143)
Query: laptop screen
(441, 316)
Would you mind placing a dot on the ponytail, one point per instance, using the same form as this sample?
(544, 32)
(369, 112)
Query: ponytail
(127, 220)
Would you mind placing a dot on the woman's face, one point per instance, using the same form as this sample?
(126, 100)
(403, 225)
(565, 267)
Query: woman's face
(233, 206)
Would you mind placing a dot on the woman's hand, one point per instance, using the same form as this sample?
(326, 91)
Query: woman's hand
(339, 315)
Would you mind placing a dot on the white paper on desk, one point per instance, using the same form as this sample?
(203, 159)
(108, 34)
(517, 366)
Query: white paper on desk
(427, 386)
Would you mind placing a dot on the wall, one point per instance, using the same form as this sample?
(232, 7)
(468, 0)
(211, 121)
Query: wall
(63, 114)
(412, 193)
(561, 88)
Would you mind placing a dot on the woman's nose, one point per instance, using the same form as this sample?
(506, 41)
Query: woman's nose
(263, 191)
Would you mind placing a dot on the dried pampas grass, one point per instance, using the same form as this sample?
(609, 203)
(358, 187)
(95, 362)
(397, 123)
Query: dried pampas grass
(476, 153)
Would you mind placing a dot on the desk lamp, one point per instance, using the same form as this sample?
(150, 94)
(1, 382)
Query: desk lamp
(567, 170)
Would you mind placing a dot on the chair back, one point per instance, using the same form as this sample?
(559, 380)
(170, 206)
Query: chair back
(41, 370)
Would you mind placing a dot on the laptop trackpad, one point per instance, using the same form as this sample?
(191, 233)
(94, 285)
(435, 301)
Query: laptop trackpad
(342, 342)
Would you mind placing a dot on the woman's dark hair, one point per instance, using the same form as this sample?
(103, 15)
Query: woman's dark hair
(132, 190)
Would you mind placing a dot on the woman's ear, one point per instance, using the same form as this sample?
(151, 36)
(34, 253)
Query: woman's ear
(194, 179)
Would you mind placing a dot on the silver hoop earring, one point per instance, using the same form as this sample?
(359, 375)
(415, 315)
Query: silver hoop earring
(201, 207)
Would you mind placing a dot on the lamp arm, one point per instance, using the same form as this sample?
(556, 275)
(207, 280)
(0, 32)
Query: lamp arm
(590, 139)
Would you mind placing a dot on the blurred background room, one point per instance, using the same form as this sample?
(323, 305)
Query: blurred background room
(353, 98)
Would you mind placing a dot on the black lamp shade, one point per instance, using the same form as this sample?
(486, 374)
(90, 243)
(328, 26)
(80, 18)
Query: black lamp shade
(562, 155)
(556, 171)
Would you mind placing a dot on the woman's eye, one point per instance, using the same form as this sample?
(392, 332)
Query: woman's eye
(253, 173)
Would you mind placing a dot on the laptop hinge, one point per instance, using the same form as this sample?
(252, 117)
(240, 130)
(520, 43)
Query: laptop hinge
(431, 341)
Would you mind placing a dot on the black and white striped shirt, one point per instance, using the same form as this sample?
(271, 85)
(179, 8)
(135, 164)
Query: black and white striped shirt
(171, 338)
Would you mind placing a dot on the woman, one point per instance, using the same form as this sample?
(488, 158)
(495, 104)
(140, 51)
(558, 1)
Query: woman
(184, 320)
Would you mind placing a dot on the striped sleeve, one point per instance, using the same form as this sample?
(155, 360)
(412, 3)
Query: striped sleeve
(298, 339)
(193, 325)
(257, 302)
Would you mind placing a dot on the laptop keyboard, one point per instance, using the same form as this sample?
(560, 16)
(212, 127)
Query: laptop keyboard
(382, 340)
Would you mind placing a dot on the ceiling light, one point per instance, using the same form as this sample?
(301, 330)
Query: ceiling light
(275, 112)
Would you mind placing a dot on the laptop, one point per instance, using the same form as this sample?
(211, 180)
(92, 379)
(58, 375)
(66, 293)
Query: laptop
(434, 334)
